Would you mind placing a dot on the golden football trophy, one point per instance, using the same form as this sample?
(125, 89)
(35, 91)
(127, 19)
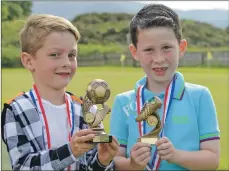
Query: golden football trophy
(97, 93)
(149, 113)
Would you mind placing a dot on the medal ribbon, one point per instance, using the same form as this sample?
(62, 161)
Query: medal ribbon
(142, 125)
(45, 131)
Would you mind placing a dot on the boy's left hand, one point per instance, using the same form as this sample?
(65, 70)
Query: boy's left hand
(107, 151)
(165, 149)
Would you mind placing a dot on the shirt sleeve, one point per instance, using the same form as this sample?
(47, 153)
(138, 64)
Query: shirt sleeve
(118, 126)
(22, 151)
(207, 118)
(24, 156)
(89, 161)
(93, 163)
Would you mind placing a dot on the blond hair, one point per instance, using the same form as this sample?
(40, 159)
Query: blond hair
(38, 26)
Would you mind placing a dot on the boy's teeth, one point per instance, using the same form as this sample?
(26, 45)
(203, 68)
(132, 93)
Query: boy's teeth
(159, 69)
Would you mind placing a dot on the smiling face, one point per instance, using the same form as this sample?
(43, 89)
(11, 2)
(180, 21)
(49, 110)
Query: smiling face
(54, 64)
(158, 52)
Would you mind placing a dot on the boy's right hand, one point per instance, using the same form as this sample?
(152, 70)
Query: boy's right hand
(140, 155)
(79, 142)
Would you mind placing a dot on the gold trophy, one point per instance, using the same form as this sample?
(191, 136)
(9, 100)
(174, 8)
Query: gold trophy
(97, 93)
(149, 113)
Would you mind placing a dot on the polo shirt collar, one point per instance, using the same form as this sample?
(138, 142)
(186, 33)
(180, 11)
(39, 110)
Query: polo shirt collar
(178, 91)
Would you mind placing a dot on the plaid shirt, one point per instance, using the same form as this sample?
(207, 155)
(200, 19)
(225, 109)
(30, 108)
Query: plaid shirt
(25, 144)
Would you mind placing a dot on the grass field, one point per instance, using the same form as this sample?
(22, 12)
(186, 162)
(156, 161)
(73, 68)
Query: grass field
(15, 80)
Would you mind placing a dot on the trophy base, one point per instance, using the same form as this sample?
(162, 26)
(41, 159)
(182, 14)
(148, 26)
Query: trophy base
(103, 138)
(149, 140)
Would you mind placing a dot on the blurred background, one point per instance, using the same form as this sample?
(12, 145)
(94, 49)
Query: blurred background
(104, 27)
(104, 53)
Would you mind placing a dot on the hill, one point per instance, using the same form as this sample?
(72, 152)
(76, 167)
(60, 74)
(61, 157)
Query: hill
(70, 9)
(106, 33)
(107, 28)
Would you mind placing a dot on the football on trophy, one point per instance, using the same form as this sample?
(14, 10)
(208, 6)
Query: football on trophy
(98, 91)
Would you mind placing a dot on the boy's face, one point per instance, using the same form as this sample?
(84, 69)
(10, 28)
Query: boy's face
(55, 62)
(158, 52)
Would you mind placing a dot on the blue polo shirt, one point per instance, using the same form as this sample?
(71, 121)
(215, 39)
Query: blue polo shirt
(192, 118)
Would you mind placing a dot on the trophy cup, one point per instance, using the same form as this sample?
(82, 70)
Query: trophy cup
(150, 115)
(97, 93)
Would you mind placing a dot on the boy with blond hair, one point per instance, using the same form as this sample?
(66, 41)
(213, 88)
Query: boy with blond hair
(43, 128)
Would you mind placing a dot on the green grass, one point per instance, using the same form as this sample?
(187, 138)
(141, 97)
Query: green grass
(206, 49)
(121, 80)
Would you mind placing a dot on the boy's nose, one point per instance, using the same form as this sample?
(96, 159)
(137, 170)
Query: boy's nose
(66, 61)
(159, 58)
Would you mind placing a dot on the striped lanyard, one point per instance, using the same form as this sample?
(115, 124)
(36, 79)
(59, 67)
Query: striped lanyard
(45, 131)
(142, 125)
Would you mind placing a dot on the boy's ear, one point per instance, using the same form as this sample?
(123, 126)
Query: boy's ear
(27, 61)
(183, 47)
(133, 51)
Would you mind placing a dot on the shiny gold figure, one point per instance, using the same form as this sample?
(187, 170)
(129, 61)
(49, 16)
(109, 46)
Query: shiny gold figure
(149, 113)
(97, 92)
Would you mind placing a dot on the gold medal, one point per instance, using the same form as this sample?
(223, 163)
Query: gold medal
(152, 120)
(89, 118)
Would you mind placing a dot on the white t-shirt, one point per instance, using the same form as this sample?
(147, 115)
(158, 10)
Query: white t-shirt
(58, 124)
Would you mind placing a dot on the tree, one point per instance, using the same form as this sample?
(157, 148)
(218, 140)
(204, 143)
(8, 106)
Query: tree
(13, 9)
(26, 7)
(5, 11)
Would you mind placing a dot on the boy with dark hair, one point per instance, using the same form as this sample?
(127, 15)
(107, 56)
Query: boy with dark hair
(189, 138)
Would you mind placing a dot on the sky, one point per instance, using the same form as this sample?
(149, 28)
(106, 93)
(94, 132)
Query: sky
(189, 5)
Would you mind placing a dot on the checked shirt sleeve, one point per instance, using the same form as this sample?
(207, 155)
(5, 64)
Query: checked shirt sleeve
(25, 153)
(92, 162)
(90, 159)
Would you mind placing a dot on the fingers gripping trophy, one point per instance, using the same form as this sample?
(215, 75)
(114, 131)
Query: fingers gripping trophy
(97, 93)
(150, 115)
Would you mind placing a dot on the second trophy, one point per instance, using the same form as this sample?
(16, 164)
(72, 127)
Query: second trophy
(149, 114)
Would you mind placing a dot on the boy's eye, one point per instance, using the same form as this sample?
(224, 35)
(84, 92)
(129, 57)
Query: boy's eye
(54, 54)
(166, 47)
(148, 50)
(73, 55)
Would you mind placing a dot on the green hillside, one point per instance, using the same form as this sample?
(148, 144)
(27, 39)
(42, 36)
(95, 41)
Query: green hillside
(105, 28)
(106, 34)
